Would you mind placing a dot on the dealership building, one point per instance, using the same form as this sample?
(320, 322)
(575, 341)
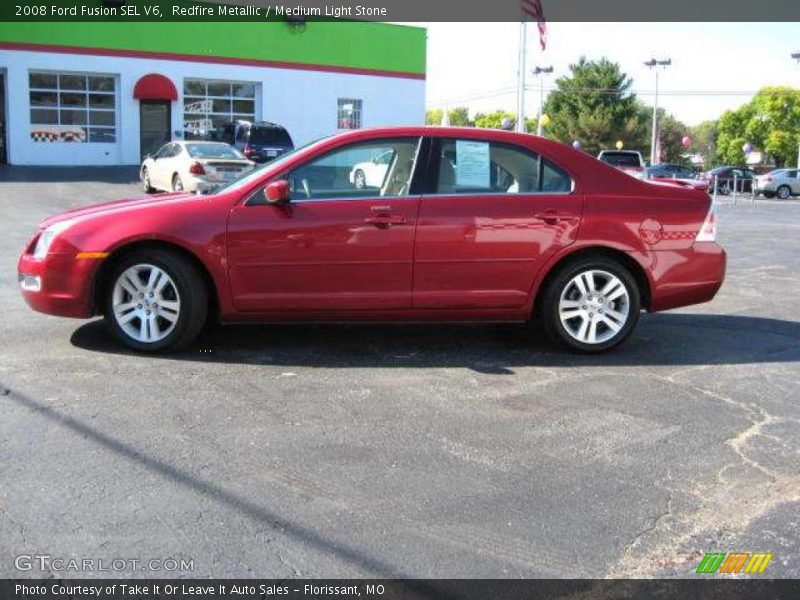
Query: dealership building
(74, 93)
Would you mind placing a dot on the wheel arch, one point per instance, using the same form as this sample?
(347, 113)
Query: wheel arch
(625, 259)
(101, 282)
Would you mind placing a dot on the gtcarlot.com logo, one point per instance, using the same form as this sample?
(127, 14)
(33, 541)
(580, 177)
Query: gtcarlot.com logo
(48, 563)
(734, 562)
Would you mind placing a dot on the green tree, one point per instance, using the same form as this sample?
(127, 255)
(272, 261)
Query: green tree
(434, 116)
(770, 122)
(459, 117)
(493, 120)
(704, 141)
(594, 105)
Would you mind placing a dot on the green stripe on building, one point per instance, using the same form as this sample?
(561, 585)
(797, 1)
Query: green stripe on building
(349, 44)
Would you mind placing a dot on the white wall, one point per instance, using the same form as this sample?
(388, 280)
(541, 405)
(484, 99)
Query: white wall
(305, 102)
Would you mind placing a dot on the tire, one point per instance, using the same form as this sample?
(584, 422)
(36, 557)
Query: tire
(145, 176)
(724, 190)
(166, 316)
(360, 180)
(612, 312)
(784, 192)
(177, 183)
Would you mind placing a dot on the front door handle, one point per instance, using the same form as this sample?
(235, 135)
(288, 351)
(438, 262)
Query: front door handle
(383, 221)
(551, 217)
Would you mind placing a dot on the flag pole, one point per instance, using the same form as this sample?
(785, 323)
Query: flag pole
(521, 78)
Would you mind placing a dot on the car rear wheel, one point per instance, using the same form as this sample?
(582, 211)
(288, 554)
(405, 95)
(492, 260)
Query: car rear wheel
(769, 195)
(177, 183)
(360, 180)
(784, 192)
(155, 301)
(591, 305)
(146, 181)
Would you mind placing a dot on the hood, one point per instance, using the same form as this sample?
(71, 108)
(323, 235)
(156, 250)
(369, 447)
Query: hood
(149, 202)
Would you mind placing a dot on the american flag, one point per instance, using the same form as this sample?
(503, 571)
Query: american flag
(532, 10)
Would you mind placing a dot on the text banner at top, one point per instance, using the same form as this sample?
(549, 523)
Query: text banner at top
(299, 11)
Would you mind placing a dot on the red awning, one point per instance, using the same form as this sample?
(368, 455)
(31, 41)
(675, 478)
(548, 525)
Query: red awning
(155, 87)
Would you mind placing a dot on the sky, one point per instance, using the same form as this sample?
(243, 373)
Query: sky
(732, 60)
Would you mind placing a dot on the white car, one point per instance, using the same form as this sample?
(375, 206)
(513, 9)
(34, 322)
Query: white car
(192, 166)
(782, 183)
(371, 173)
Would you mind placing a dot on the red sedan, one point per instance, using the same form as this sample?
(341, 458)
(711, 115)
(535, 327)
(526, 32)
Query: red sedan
(466, 225)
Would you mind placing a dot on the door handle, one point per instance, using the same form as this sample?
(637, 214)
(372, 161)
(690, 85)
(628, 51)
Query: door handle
(552, 217)
(383, 221)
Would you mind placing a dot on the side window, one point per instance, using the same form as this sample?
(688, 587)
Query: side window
(354, 171)
(554, 180)
(163, 151)
(479, 167)
(241, 134)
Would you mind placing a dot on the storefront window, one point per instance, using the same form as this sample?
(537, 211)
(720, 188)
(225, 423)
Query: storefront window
(209, 105)
(70, 107)
(349, 113)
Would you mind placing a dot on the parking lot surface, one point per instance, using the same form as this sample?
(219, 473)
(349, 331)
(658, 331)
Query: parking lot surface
(405, 451)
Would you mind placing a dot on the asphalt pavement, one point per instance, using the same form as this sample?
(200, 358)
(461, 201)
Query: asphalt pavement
(405, 451)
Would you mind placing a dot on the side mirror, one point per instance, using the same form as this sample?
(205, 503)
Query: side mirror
(278, 192)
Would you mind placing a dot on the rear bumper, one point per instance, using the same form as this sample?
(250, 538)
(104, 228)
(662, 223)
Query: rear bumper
(65, 284)
(687, 277)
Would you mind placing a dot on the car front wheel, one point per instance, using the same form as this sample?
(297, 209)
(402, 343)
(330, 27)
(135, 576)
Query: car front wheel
(591, 305)
(155, 301)
(784, 192)
(177, 183)
(360, 180)
(146, 186)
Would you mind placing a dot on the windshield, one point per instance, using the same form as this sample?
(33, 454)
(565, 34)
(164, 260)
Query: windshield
(276, 136)
(255, 174)
(621, 159)
(213, 151)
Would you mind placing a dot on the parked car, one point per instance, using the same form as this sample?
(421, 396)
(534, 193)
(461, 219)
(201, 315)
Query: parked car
(192, 167)
(725, 177)
(782, 183)
(468, 224)
(260, 141)
(371, 173)
(627, 161)
(679, 173)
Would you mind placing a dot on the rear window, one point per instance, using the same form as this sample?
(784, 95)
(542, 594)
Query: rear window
(621, 159)
(277, 136)
(213, 151)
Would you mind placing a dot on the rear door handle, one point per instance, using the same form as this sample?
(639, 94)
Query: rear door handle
(552, 217)
(383, 221)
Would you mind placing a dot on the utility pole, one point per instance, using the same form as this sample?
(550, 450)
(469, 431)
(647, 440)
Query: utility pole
(523, 35)
(540, 72)
(655, 64)
(796, 56)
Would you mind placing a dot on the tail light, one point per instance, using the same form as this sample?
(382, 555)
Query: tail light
(197, 169)
(708, 232)
(248, 151)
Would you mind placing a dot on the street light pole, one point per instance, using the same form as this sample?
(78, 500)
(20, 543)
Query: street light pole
(540, 72)
(523, 34)
(655, 64)
(796, 56)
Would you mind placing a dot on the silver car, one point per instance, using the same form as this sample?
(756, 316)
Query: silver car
(782, 183)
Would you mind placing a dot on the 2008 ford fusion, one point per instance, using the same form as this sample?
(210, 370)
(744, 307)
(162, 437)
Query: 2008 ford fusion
(460, 225)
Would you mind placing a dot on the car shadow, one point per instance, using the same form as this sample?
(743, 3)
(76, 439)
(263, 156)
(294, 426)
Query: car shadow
(661, 339)
(115, 174)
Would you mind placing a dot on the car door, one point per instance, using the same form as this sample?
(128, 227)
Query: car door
(165, 165)
(156, 168)
(493, 215)
(332, 247)
(793, 179)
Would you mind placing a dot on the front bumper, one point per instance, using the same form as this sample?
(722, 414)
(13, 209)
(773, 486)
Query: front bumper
(683, 278)
(66, 284)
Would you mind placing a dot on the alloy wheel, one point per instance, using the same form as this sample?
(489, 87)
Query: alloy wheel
(784, 192)
(146, 303)
(361, 181)
(594, 306)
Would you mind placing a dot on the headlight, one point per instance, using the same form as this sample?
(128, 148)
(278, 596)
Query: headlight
(46, 238)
